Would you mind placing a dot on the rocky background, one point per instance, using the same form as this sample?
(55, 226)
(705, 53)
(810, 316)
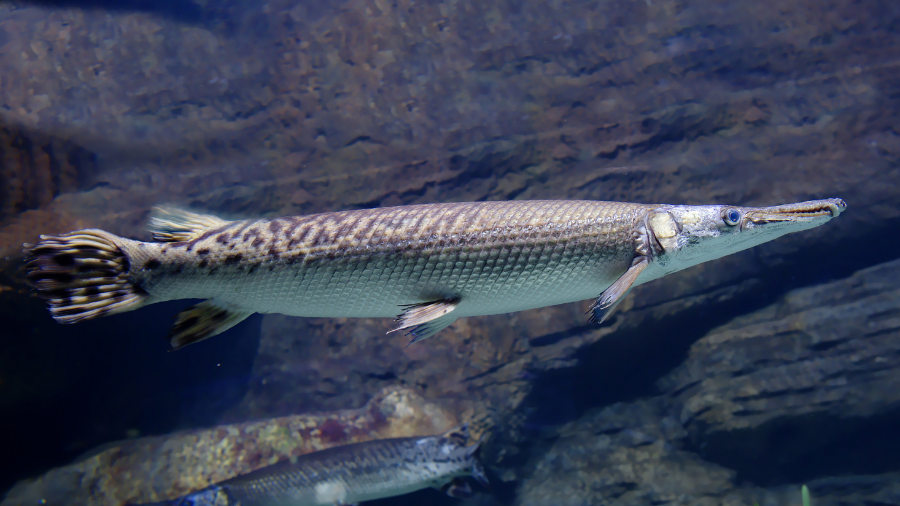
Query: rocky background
(729, 383)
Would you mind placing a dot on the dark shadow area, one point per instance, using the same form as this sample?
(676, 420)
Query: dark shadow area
(620, 367)
(799, 449)
(429, 497)
(184, 11)
(426, 497)
(66, 389)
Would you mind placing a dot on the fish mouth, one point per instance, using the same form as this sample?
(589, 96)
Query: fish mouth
(799, 212)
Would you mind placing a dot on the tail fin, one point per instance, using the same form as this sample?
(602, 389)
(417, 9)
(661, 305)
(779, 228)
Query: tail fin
(82, 275)
(460, 437)
(478, 472)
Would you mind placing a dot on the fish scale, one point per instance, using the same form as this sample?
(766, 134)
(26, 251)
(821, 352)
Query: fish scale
(426, 265)
(330, 286)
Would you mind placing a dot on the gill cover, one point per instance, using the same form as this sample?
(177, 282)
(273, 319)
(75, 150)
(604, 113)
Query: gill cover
(684, 236)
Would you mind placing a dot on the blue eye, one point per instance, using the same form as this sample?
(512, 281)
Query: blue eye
(732, 217)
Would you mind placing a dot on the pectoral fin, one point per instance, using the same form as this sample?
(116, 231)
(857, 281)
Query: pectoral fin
(203, 321)
(611, 297)
(427, 318)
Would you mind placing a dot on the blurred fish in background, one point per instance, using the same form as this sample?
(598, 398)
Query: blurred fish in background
(353, 473)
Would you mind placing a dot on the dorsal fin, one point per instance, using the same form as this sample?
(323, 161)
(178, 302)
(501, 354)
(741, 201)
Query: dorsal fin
(457, 435)
(170, 224)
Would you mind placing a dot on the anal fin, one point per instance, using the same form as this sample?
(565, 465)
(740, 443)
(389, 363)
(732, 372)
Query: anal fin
(611, 297)
(169, 224)
(204, 320)
(426, 319)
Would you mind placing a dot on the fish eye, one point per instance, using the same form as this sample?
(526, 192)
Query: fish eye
(732, 216)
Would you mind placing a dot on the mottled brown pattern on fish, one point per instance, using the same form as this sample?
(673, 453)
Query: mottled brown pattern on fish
(402, 255)
(435, 226)
(412, 228)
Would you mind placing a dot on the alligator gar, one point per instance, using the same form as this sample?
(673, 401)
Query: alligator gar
(426, 265)
(352, 474)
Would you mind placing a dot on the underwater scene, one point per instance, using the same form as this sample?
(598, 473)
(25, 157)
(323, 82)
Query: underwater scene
(450, 252)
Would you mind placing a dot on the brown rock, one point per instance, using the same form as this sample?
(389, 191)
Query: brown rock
(626, 454)
(802, 388)
(35, 168)
(832, 348)
(634, 453)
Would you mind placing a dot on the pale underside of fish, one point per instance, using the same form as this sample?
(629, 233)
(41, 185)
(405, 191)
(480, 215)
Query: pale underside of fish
(426, 265)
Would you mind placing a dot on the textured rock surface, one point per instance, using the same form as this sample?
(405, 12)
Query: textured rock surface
(166, 467)
(385, 103)
(286, 107)
(634, 454)
(625, 454)
(389, 103)
(832, 348)
(823, 361)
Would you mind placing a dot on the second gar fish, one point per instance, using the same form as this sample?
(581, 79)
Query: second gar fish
(352, 474)
(427, 265)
